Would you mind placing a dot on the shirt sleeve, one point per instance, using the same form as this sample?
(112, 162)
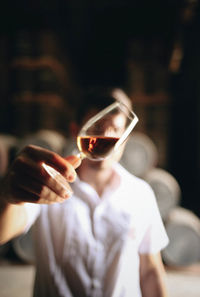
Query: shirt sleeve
(155, 237)
(33, 211)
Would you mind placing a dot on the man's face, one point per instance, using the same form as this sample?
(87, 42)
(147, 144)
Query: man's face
(113, 126)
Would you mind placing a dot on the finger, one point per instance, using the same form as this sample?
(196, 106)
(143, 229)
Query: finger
(59, 185)
(37, 153)
(47, 201)
(41, 155)
(36, 187)
(26, 168)
(23, 167)
(19, 195)
(47, 196)
(75, 161)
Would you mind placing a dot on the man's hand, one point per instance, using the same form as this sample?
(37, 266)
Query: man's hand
(28, 181)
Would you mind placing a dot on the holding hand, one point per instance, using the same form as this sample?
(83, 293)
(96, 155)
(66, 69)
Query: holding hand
(28, 181)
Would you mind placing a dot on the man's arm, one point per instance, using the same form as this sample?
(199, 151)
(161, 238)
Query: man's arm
(13, 220)
(28, 181)
(152, 276)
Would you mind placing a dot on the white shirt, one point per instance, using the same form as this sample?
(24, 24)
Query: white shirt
(90, 246)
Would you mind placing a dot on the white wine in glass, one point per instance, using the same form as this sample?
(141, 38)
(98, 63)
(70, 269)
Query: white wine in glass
(102, 134)
(106, 131)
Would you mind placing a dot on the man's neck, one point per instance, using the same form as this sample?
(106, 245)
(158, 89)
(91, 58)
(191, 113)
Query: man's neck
(98, 179)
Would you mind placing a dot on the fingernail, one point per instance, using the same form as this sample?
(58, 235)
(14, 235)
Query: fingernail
(71, 177)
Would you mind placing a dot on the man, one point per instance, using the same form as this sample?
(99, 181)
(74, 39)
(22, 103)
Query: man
(105, 240)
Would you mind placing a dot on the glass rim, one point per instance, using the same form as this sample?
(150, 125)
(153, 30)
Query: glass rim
(134, 119)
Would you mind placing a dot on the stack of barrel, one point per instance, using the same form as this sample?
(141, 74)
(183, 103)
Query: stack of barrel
(141, 158)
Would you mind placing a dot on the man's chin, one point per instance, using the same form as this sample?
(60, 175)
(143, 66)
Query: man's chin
(97, 165)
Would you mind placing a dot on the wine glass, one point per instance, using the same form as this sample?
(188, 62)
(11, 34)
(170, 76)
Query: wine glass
(102, 134)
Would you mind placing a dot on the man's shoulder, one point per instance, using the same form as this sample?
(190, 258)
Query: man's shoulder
(131, 179)
(138, 196)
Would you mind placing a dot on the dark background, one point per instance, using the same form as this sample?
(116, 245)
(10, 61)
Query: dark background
(50, 50)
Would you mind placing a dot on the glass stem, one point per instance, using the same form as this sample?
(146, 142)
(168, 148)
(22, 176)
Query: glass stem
(81, 155)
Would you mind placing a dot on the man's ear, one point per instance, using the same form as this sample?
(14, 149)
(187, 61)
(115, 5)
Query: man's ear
(73, 129)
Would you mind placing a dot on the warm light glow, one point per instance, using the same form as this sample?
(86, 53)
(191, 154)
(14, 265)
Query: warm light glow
(92, 143)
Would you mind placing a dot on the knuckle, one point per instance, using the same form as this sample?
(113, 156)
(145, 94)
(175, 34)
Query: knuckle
(27, 149)
(19, 164)
(54, 157)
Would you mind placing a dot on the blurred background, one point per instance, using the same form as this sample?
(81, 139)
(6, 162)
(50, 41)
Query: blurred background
(51, 50)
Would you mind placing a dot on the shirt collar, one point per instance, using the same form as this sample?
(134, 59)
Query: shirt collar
(86, 192)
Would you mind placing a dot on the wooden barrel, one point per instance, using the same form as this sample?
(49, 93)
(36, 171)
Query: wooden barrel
(34, 140)
(140, 154)
(166, 189)
(183, 229)
(24, 247)
(49, 139)
(55, 139)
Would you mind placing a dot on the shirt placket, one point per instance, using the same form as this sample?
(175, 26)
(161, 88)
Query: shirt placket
(98, 256)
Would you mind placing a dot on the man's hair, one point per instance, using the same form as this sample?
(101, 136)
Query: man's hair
(97, 98)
